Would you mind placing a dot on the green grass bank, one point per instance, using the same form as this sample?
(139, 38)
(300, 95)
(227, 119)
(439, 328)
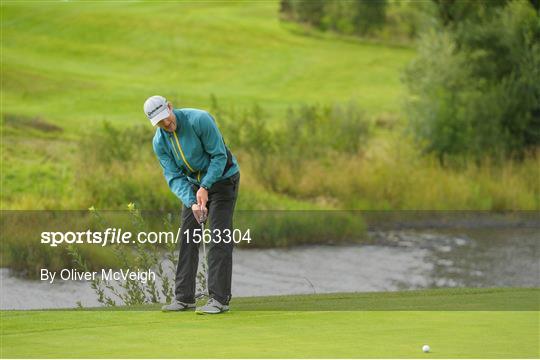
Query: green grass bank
(466, 323)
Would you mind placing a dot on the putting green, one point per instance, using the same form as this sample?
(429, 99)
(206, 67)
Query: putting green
(287, 334)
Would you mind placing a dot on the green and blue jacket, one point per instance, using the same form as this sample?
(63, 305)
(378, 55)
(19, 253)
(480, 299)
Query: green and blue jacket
(195, 154)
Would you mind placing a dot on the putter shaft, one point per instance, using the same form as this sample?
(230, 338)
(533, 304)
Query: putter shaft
(205, 259)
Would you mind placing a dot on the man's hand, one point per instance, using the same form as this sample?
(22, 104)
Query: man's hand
(199, 209)
(199, 213)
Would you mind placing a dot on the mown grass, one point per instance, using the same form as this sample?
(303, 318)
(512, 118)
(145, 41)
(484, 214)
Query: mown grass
(94, 63)
(340, 330)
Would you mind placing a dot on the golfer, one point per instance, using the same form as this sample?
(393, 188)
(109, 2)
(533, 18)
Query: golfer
(201, 171)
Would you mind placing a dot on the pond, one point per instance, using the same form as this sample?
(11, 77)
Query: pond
(388, 261)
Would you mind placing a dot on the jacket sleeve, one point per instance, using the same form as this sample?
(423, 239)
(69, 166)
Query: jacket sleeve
(214, 146)
(176, 180)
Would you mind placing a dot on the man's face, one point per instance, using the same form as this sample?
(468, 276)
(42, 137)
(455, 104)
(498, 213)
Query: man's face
(169, 123)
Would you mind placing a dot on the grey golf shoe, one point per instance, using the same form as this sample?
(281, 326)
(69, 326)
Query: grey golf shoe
(212, 307)
(178, 306)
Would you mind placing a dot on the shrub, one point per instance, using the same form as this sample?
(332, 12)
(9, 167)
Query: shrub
(309, 132)
(475, 87)
(359, 17)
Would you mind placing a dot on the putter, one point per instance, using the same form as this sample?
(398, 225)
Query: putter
(202, 221)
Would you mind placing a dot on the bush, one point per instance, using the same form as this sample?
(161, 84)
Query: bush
(358, 17)
(310, 133)
(475, 87)
(287, 228)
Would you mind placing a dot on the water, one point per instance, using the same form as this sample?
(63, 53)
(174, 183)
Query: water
(389, 261)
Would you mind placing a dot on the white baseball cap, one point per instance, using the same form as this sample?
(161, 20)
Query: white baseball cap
(155, 108)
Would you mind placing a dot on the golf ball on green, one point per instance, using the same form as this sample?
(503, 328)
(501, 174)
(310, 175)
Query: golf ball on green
(425, 348)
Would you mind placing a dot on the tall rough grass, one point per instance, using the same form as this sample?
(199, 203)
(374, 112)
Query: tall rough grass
(137, 257)
(315, 158)
(334, 157)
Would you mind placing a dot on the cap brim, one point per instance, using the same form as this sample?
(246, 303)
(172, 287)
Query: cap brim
(160, 116)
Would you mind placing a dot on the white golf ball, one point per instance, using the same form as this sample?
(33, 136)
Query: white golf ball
(425, 348)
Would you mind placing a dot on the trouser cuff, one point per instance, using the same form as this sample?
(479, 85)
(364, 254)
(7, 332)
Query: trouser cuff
(222, 300)
(186, 299)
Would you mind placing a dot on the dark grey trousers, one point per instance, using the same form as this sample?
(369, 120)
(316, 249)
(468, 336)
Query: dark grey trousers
(221, 201)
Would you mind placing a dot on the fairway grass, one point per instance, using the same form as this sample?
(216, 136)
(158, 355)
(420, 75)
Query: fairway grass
(75, 64)
(245, 333)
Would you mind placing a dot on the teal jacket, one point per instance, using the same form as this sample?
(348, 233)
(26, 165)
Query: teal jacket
(195, 154)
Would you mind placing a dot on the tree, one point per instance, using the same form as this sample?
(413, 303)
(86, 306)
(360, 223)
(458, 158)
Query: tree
(370, 15)
(475, 86)
(360, 17)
